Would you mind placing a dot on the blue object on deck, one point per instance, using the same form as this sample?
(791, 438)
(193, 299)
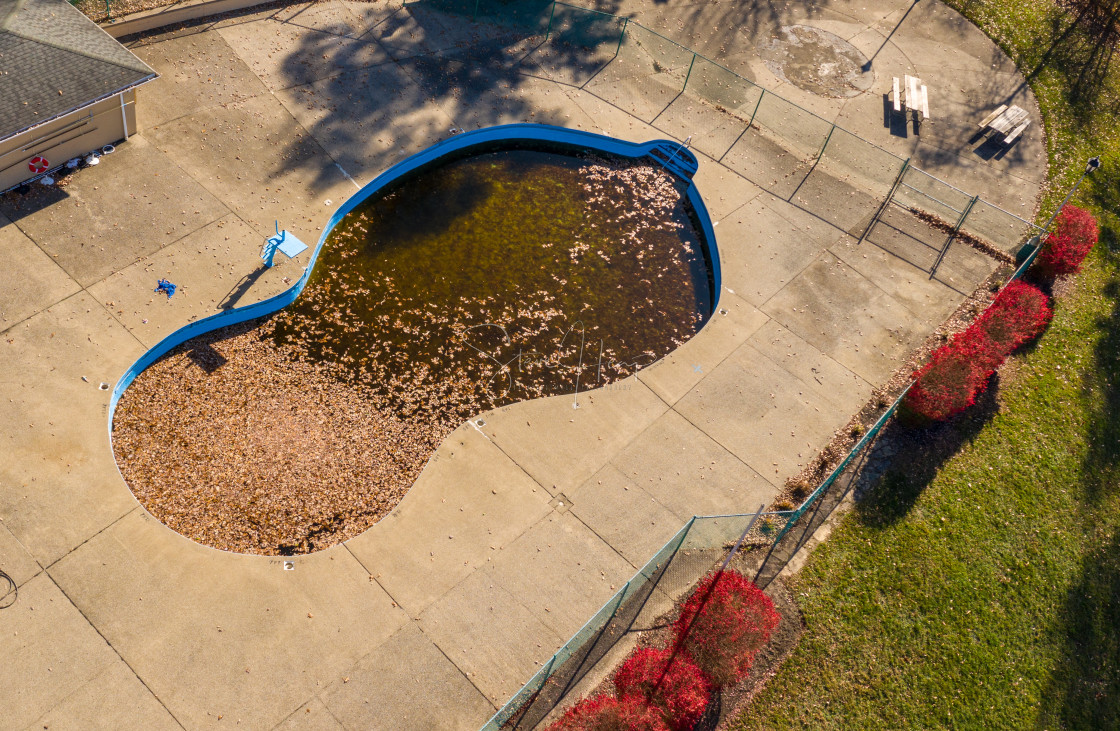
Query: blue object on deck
(284, 241)
(290, 245)
(165, 287)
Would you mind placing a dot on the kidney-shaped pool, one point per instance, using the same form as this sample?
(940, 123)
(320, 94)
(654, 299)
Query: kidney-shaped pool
(497, 271)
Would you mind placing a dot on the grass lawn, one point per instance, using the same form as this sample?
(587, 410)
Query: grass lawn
(982, 588)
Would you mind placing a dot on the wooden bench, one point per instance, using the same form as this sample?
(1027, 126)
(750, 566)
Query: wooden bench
(916, 100)
(916, 96)
(991, 117)
(1016, 132)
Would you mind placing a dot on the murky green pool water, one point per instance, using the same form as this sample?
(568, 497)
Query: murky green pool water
(502, 277)
(490, 279)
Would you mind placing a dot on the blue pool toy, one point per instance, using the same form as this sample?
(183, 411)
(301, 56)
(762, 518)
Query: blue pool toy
(165, 287)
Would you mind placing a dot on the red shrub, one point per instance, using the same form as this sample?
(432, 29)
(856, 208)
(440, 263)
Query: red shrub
(723, 624)
(667, 681)
(1065, 249)
(958, 372)
(1019, 314)
(607, 713)
(950, 382)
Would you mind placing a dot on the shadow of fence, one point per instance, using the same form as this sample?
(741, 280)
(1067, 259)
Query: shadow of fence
(699, 547)
(796, 155)
(789, 151)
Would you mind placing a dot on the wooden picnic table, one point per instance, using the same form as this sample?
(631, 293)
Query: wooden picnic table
(1009, 121)
(916, 98)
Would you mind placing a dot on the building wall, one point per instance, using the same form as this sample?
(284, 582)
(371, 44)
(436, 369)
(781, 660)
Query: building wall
(68, 137)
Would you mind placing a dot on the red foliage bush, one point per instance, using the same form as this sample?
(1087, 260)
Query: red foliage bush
(667, 681)
(955, 375)
(1019, 314)
(1065, 249)
(607, 713)
(958, 372)
(723, 624)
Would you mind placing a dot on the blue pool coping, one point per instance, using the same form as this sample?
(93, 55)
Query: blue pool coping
(686, 162)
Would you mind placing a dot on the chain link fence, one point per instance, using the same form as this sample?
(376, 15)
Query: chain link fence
(703, 544)
(776, 144)
(786, 150)
(794, 154)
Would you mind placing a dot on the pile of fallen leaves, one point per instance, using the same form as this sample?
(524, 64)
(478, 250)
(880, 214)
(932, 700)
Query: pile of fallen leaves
(292, 433)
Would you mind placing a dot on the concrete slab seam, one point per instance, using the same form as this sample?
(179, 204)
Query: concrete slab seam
(419, 627)
(872, 282)
(456, 585)
(109, 525)
(314, 697)
(723, 446)
(374, 578)
(116, 652)
(604, 540)
(456, 666)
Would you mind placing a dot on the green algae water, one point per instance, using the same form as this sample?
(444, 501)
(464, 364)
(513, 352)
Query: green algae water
(475, 283)
(502, 277)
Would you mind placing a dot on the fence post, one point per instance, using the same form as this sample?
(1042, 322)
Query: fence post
(886, 201)
(793, 518)
(826, 139)
(964, 214)
(1025, 256)
(618, 48)
(735, 548)
(551, 15)
(953, 235)
(689, 74)
(686, 530)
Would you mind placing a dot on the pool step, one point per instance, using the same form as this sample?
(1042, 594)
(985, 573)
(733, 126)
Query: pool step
(676, 158)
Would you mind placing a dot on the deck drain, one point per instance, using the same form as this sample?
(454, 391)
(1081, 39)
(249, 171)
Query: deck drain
(561, 503)
(104, 387)
(289, 565)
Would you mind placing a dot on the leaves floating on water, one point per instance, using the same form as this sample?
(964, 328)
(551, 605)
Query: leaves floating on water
(492, 279)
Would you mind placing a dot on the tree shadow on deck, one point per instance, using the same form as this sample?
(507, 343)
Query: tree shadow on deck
(443, 72)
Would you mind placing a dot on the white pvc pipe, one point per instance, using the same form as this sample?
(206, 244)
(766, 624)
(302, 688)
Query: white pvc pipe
(124, 117)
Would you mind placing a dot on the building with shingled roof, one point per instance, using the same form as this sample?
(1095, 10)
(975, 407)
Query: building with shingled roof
(67, 88)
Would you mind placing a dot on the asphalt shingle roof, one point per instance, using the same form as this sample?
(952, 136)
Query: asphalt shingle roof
(54, 59)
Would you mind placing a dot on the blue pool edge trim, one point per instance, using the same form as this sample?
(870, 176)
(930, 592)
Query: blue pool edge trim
(528, 132)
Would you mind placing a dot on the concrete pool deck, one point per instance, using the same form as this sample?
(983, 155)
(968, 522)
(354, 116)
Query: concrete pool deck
(518, 530)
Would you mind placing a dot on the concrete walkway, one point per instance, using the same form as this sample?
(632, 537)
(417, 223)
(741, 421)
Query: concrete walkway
(519, 529)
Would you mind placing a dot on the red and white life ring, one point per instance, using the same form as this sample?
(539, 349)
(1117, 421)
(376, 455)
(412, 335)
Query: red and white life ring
(38, 164)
